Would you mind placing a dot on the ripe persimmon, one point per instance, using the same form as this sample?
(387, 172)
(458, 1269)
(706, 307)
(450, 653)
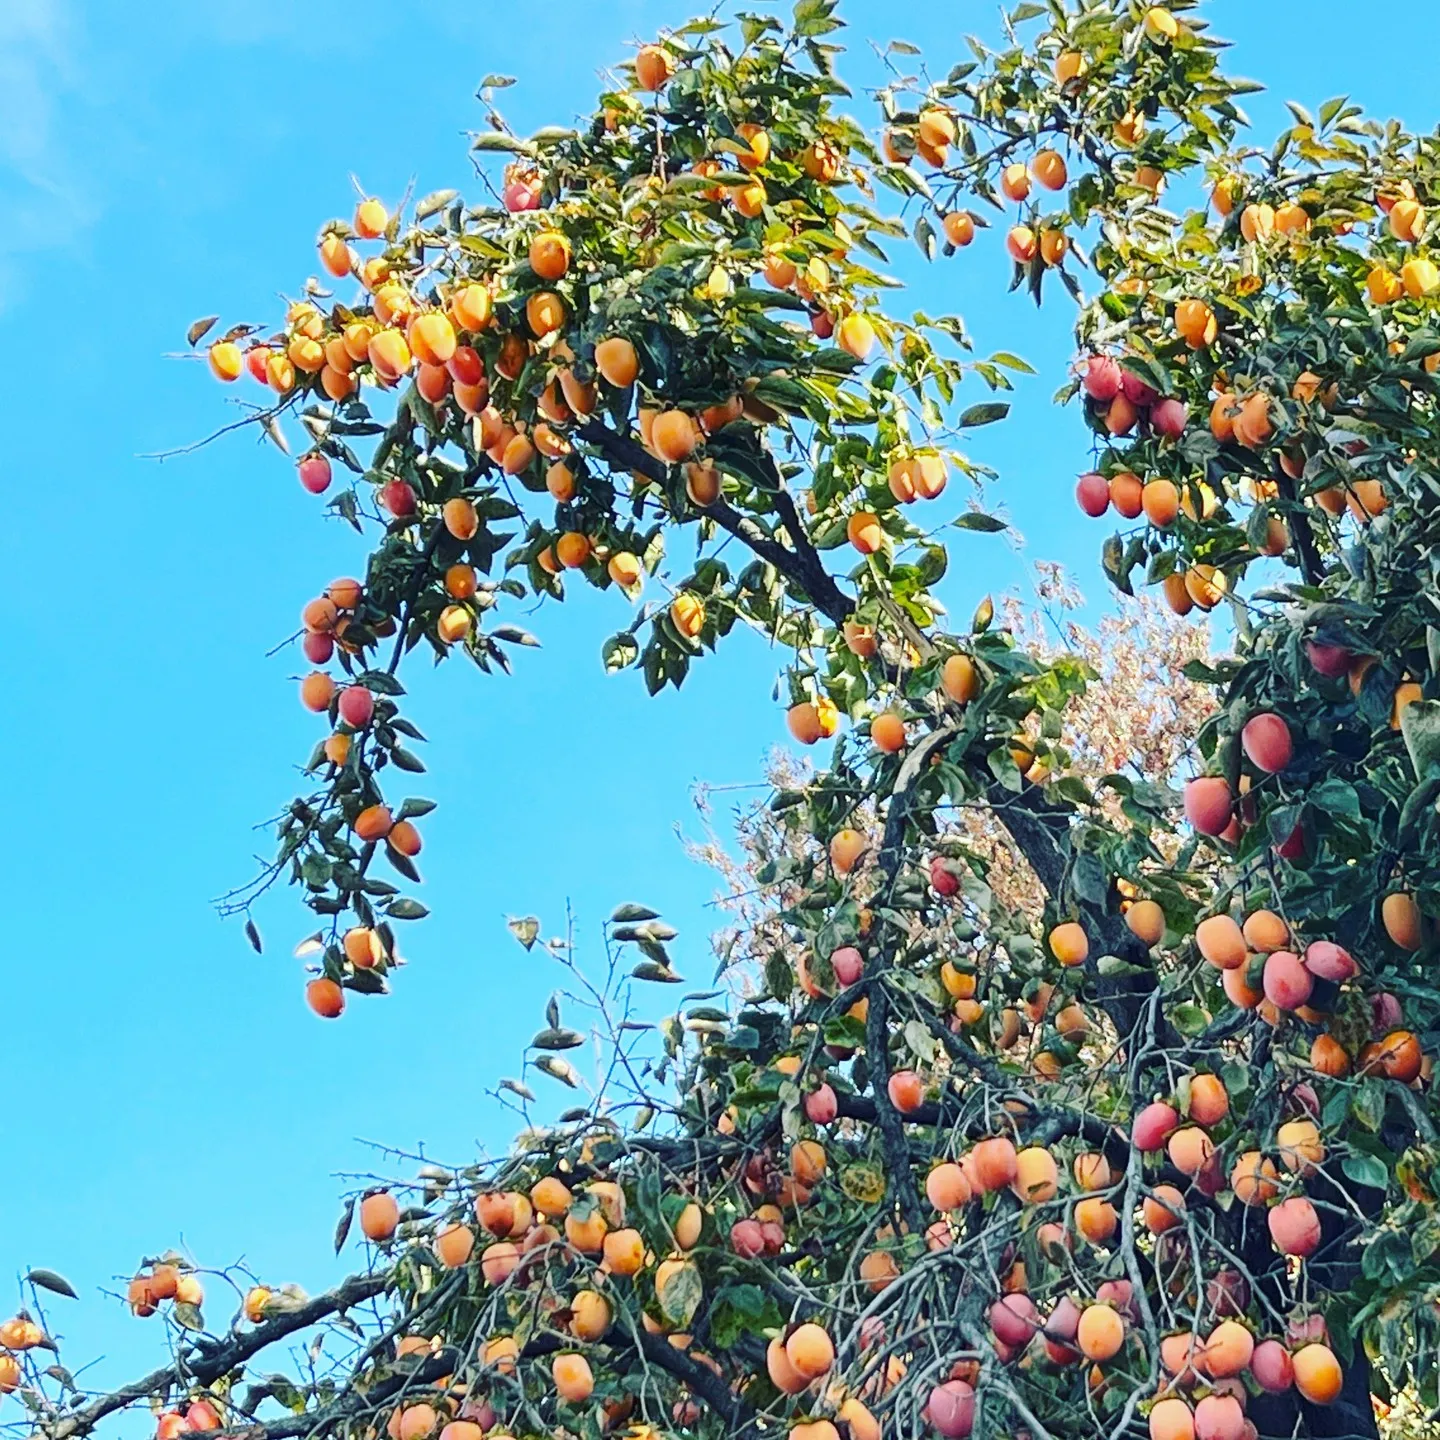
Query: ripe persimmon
(1163, 1209)
(995, 1163)
(879, 1270)
(906, 1091)
(864, 532)
(846, 848)
(453, 1244)
(687, 613)
(461, 518)
(674, 436)
(379, 1216)
(1401, 917)
(1068, 943)
(856, 336)
(1318, 1376)
(431, 338)
(810, 1351)
(1036, 1175)
(783, 1374)
(499, 1261)
(654, 66)
(226, 361)
(887, 731)
(371, 218)
(1101, 1332)
(549, 254)
(325, 997)
(624, 1251)
(1146, 921)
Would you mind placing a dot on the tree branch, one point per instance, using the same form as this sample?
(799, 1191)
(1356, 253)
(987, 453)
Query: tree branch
(801, 566)
(705, 1384)
(1298, 524)
(204, 1361)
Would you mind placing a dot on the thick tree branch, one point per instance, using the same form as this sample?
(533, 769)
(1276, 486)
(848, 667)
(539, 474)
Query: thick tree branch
(205, 1361)
(1301, 535)
(801, 565)
(1039, 829)
(900, 1180)
(703, 1383)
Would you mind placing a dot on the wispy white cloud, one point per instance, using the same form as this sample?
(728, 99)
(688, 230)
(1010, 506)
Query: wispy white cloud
(43, 197)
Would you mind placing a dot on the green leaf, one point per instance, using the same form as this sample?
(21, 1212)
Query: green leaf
(435, 201)
(1367, 1104)
(619, 653)
(514, 635)
(924, 233)
(381, 682)
(741, 1309)
(653, 970)
(985, 414)
(1012, 362)
(979, 520)
(1367, 1170)
(558, 1069)
(1112, 965)
(1189, 1020)
(556, 1037)
(342, 1225)
(632, 914)
(1112, 558)
(1151, 371)
(50, 1280)
(498, 140)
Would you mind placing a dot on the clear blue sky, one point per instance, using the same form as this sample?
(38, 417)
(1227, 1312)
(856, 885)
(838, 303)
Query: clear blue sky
(166, 160)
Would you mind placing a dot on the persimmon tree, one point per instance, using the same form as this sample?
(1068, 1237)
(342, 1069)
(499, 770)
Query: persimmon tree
(1147, 1148)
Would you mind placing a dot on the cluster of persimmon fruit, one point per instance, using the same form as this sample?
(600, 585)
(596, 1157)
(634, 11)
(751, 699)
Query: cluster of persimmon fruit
(1120, 403)
(1192, 1131)
(935, 131)
(463, 345)
(1202, 1393)
(515, 1237)
(464, 351)
(810, 721)
(561, 1232)
(17, 1335)
(166, 1281)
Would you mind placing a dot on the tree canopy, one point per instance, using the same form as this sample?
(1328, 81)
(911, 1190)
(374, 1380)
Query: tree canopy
(1056, 1087)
